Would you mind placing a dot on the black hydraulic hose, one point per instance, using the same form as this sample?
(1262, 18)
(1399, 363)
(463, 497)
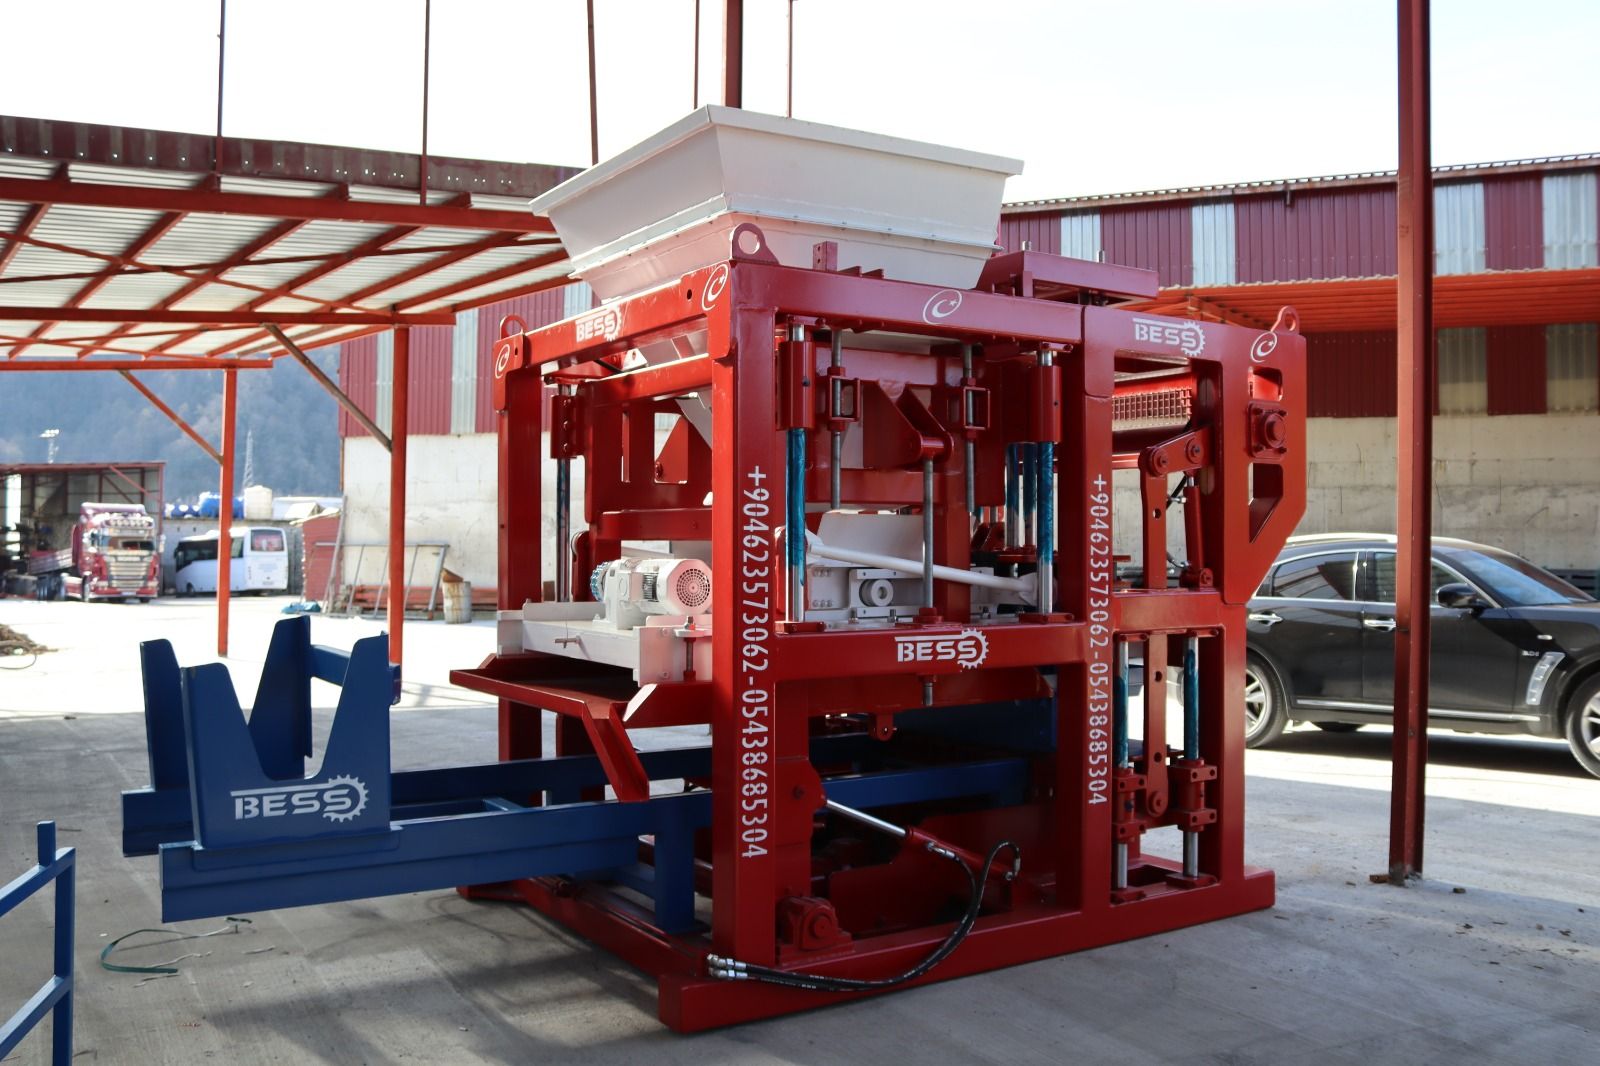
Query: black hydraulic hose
(734, 970)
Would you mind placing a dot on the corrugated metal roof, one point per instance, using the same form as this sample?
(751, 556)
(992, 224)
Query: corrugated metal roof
(1371, 177)
(135, 221)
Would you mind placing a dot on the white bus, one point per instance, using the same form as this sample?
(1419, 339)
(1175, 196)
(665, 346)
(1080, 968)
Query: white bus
(260, 562)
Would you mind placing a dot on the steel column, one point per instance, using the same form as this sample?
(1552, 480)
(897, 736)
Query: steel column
(397, 491)
(230, 411)
(1414, 237)
(733, 53)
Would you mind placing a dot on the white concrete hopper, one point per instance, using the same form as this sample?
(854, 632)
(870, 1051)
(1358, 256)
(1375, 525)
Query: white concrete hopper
(919, 212)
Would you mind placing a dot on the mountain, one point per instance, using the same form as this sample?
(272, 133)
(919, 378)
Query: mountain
(103, 419)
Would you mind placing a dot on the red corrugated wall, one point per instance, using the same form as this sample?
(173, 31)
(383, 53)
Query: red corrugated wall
(539, 309)
(358, 377)
(1513, 221)
(1153, 237)
(1041, 231)
(1351, 375)
(428, 400)
(1340, 233)
(1516, 369)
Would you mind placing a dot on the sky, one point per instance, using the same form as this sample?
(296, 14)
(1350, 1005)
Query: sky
(1095, 97)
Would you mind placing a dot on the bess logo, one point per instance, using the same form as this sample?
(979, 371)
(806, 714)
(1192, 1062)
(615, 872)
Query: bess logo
(967, 648)
(338, 799)
(605, 323)
(1187, 337)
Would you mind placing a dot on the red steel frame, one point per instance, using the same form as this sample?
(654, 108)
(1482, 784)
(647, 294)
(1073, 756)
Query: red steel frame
(1248, 391)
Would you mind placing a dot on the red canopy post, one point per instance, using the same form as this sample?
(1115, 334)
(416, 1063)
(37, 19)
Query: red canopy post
(397, 492)
(230, 409)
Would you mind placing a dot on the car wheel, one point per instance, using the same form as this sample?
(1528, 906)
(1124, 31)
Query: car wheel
(188, 590)
(1583, 725)
(1337, 727)
(83, 590)
(1265, 714)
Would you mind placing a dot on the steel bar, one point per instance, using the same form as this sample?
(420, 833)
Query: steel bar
(733, 53)
(226, 319)
(397, 492)
(1046, 514)
(222, 55)
(971, 446)
(1414, 484)
(865, 819)
(564, 521)
(68, 366)
(206, 201)
(176, 418)
(230, 413)
(1013, 499)
(427, 48)
(836, 438)
(1021, 586)
(1119, 744)
(594, 108)
(1191, 734)
(927, 533)
(330, 386)
(795, 523)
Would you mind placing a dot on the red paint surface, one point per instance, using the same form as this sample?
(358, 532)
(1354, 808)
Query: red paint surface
(1041, 231)
(1159, 238)
(1516, 358)
(1351, 375)
(1340, 233)
(358, 377)
(1513, 219)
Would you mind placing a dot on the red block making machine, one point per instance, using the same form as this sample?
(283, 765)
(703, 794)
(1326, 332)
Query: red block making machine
(853, 492)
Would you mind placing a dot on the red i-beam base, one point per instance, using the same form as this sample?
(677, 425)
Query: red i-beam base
(1220, 407)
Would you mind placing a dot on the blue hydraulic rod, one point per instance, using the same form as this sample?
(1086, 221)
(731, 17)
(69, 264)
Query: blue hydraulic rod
(1028, 460)
(1013, 498)
(795, 522)
(1047, 532)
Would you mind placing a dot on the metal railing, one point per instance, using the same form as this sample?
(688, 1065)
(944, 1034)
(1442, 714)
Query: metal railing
(56, 993)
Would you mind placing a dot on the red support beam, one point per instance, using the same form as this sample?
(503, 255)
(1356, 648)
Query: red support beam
(226, 319)
(1417, 360)
(160, 229)
(19, 235)
(177, 419)
(69, 366)
(397, 492)
(230, 403)
(208, 200)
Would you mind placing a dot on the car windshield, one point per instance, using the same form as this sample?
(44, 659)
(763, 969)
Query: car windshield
(1515, 582)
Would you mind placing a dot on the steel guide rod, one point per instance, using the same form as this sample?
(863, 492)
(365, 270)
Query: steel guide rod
(795, 494)
(971, 445)
(1046, 515)
(1191, 739)
(564, 521)
(1119, 744)
(1013, 499)
(836, 442)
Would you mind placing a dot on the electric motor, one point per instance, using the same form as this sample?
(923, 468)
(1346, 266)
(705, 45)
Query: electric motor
(631, 588)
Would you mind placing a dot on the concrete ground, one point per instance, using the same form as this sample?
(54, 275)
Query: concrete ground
(1341, 970)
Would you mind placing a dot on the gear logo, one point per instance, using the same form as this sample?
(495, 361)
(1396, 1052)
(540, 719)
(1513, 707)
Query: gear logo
(967, 649)
(338, 799)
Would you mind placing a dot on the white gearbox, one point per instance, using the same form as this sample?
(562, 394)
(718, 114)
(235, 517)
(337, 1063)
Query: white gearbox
(631, 588)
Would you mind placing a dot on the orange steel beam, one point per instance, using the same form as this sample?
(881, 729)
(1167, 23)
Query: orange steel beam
(162, 226)
(177, 419)
(230, 403)
(88, 366)
(226, 319)
(331, 387)
(399, 394)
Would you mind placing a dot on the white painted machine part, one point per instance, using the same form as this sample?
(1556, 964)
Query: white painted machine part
(1022, 587)
(920, 212)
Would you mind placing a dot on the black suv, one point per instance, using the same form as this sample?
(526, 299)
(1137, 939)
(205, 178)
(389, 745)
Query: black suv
(1515, 648)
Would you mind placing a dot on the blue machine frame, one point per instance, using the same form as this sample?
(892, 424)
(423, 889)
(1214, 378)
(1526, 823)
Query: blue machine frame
(239, 826)
(55, 995)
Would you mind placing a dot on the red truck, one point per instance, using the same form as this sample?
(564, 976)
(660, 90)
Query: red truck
(112, 554)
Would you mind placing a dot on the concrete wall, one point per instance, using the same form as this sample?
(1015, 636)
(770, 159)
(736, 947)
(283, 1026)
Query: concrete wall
(1527, 483)
(452, 487)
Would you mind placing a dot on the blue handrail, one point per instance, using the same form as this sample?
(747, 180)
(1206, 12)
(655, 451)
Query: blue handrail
(56, 993)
